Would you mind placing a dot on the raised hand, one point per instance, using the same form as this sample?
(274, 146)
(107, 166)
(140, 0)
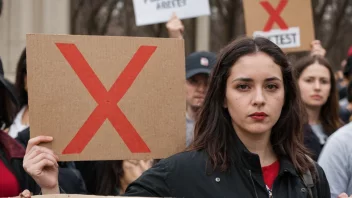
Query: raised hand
(41, 164)
(317, 48)
(175, 27)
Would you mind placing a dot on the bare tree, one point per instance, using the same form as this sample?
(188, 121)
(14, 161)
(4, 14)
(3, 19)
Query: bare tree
(0, 7)
(116, 17)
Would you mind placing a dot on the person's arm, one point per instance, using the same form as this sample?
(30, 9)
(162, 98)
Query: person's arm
(317, 48)
(41, 164)
(333, 160)
(175, 27)
(152, 183)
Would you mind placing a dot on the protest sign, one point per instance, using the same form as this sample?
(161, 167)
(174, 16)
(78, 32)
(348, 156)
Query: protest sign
(75, 196)
(158, 11)
(107, 98)
(287, 23)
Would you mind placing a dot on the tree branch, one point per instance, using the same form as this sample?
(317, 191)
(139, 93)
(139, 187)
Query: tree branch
(92, 24)
(218, 4)
(336, 27)
(75, 16)
(111, 8)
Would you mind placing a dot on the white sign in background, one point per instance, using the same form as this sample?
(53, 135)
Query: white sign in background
(289, 38)
(159, 11)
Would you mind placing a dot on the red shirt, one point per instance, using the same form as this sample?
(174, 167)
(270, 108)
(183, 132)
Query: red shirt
(9, 186)
(270, 173)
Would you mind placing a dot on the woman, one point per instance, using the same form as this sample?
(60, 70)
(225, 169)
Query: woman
(248, 140)
(318, 90)
(11, 152)
(21, 121)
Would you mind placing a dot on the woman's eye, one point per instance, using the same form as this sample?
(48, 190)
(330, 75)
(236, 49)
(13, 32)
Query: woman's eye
(242, 87)
(309, 80)
(272, 87)
(325, 82)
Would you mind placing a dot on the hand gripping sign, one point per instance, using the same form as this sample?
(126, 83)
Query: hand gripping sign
(287, 23)
(137, 117)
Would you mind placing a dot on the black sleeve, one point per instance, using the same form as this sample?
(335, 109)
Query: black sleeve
(322, 187)
(70, 180)
(152, 183)
(23, 137)
(88, 171)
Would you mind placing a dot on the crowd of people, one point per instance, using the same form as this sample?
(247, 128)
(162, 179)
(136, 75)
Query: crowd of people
(256, 126)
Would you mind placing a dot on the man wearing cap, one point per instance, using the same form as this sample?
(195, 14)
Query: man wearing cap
(198, 69)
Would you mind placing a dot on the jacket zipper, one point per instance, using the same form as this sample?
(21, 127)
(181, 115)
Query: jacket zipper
(255, 190)
(270, 192)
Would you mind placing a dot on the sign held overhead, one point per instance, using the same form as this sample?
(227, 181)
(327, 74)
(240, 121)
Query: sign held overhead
(278, 21)
(159, 11)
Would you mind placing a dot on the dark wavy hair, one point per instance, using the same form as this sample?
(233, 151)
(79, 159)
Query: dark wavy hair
(329, 113)
(214, 132)
(8, 108)
(108, 175)
(21, 73)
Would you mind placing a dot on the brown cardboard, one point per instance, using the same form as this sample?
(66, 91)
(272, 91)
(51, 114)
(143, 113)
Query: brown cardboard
(75, 196)
(297, 13)
(154, 104)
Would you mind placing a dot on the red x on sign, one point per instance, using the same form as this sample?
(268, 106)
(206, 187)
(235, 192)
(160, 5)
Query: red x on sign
(274, 15)
(107, 100)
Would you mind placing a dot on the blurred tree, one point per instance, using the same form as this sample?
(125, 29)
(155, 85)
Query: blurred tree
(332, 22)
(0, 7)
(116, 17)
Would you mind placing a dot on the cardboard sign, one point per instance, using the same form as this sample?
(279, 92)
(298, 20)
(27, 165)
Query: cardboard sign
(287, 23)
(158, 11)
(75, 196)
(107, 98)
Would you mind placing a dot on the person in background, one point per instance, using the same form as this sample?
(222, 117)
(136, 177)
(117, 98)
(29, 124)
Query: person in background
(318, 90)
(247, 136)
(113, 177)
(346, 112)
(347, 74)
(21, 120)
(13, 180)
(198, 68)
(341, 78)
(336, 157)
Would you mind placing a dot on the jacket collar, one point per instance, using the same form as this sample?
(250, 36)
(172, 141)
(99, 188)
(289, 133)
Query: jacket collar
(12, 148)
(251, 161)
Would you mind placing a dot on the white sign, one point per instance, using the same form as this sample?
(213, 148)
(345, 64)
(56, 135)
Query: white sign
(283, 38)
(159, 11)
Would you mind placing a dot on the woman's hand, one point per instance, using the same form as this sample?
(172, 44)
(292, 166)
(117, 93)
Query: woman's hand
(41, 164)
(344, 195)
(24, 194)
(132, 169)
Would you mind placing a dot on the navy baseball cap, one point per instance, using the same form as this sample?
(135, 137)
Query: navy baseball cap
(199, 63)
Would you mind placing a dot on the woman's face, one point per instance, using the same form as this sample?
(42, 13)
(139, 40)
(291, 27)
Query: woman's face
(315, 84)
(254, 94)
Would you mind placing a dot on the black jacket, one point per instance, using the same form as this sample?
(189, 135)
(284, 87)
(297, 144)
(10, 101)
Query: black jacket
(187, 175)
(311, 141)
